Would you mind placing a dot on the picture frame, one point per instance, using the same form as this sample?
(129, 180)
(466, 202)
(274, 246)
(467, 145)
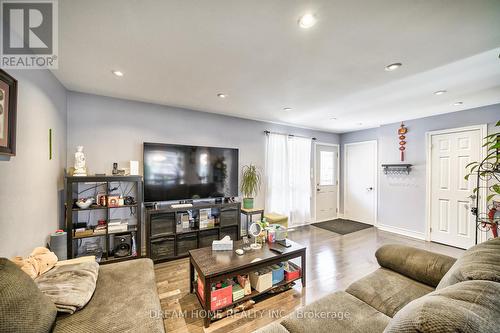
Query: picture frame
(8, 114)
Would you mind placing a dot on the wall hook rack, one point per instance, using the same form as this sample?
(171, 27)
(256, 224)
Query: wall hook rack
(396, 169)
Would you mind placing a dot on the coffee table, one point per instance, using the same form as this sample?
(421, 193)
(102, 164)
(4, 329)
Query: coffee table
(214, 266)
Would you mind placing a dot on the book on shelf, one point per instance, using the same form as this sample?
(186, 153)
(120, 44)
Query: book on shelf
(117, 225)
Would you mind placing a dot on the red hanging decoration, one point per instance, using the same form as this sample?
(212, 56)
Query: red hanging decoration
(402, 136)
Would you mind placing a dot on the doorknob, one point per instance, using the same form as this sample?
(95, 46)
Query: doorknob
(369, 188)
(318, 190)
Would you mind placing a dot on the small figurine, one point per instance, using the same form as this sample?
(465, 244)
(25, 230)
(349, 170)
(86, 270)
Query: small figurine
(80, 163)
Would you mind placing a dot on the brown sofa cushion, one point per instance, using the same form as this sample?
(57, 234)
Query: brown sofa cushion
(470, 306)
(423, 266)
(480, 262)
(388, 291)
(23, 308)
(325, 315)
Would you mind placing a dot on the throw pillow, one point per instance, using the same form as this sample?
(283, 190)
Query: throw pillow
(23, 307)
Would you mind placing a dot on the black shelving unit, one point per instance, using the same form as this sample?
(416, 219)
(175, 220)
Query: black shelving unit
(167, 240)
(89, 186)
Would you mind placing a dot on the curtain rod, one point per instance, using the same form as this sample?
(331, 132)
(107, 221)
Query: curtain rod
(298, 136)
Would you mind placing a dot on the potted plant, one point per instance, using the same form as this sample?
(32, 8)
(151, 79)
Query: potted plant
(250, 184)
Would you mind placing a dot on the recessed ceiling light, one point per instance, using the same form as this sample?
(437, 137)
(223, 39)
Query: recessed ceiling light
(359, 124)
(117, 73)
(440, 92)
(458, 103)
(287, 109)
(221, 95)
(393, 67)
(333, 118)
(306, 21)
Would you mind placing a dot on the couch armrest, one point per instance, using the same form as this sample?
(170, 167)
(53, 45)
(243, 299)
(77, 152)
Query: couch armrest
(423, 266)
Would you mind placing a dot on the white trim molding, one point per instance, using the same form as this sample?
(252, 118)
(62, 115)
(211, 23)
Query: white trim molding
(401, 231)
(483, 131)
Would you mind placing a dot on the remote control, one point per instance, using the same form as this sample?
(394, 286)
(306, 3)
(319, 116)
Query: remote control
(274, 249)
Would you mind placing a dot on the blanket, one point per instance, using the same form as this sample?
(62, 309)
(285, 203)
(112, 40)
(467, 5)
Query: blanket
(38, 262)
(70, 286)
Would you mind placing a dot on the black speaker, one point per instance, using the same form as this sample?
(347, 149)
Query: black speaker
(122, 246)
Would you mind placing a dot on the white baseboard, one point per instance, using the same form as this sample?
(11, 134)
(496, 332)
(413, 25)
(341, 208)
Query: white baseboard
(401, 231)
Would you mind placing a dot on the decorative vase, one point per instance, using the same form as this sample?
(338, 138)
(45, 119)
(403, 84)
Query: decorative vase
(248, 203)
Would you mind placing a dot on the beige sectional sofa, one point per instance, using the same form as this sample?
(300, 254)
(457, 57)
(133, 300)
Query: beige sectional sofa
(125, 300)
(413, 291)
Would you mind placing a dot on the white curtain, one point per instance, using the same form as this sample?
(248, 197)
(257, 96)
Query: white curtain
(288, 177)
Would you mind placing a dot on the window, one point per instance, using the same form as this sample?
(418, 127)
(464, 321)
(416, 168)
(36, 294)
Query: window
(326, 169)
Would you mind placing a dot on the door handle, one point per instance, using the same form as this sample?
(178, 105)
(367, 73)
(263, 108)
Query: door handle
(369, 188)
(317, 190)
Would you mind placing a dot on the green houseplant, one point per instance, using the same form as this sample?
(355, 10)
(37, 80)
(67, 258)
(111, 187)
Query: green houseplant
(487, 173)
(250, 184)
(489, 167)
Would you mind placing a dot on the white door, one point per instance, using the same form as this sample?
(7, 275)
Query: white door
(360, 181)
(452, 222)
(326, 181)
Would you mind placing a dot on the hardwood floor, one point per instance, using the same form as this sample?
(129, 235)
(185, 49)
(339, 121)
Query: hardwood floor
(333, 262)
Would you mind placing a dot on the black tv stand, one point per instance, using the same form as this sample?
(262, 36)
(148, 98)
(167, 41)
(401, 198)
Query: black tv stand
(166, 239)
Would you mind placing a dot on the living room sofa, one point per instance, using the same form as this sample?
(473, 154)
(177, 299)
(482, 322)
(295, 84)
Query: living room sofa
(125, 300)
(413, 291)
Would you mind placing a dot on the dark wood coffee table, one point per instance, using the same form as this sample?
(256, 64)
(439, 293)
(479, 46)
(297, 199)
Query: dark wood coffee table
(214, 266)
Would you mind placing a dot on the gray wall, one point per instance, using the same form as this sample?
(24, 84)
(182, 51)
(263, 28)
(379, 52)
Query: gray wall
(401, 201)
(113, 130)
(30, 206)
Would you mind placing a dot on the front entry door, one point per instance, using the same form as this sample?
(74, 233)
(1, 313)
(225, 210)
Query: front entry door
(452, 222)
(326, 181)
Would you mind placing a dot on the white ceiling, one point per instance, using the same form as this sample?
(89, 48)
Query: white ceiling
(182, 53)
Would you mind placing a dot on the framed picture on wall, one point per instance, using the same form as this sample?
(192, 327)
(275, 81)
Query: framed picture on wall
(8, 113)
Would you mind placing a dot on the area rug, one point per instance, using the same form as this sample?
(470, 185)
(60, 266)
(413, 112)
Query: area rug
(342, 226)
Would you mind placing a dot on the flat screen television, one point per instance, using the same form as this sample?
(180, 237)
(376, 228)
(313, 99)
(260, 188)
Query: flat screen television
(179, 172)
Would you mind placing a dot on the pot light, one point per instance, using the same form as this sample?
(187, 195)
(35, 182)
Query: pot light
(393, 67)
(117, 73)
(458, 103)
(221, 95)
(333, 118)
(287, 109)
(359, 124)
(307, 21)
(440, 92)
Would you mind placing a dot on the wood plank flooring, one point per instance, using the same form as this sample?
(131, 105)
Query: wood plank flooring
(333, 262)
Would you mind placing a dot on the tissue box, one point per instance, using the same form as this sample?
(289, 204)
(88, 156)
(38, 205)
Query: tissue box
(225, 244)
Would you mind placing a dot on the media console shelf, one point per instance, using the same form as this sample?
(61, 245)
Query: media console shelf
(172, 232)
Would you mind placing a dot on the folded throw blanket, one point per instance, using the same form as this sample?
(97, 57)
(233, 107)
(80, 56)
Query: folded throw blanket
(39, 261)
(70, 287)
